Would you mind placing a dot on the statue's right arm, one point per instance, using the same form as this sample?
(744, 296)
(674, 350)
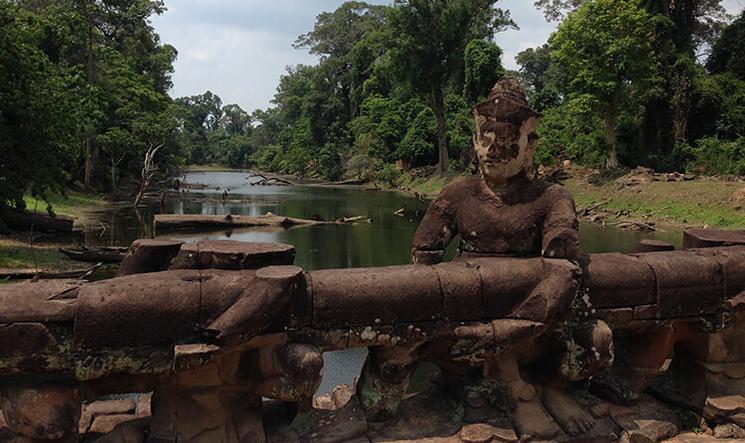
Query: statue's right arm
(435, 232)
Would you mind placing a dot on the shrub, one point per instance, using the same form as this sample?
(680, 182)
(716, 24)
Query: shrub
(419, 143)
(712, 156)
(571, 131)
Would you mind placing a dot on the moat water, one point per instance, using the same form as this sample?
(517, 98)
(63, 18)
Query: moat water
(385, 240)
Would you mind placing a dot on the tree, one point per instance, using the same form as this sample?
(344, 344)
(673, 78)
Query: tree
(605, 50)
(430, 38)
(203, 111)
(728, 53)
(380, 127)
(336, 33)
(556, 10)
(483, 67)
(682, 28)
(83, 89)
(234, 120)
(38, 113)
(335, 37)
(695, 21)
(539, 76)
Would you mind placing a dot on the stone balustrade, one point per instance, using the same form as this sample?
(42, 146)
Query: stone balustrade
(230, 339)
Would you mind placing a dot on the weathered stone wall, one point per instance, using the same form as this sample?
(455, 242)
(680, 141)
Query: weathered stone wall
(651, 345)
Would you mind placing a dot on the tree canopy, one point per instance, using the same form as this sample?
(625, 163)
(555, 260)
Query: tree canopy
(605, 50)
(84, 92)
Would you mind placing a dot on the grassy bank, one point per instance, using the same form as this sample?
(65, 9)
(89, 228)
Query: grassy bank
(428, 186)
(17, 252)
(74, 204)
(704, 202)
(212, 168)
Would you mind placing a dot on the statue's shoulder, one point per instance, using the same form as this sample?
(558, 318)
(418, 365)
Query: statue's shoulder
(552, 190)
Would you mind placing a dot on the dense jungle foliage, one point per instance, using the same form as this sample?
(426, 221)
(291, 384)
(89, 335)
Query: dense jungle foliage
(621, 82)
(84, 92)
(83, 95)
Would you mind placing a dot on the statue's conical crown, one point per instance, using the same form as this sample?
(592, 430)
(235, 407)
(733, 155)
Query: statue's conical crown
(506, 102)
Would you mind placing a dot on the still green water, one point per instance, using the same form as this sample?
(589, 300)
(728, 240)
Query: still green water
(385, 240)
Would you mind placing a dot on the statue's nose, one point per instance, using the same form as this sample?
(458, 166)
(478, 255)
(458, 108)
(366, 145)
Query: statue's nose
(496, 150)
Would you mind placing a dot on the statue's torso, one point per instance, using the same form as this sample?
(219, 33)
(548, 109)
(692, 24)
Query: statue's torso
(493, 225)
(489, 224)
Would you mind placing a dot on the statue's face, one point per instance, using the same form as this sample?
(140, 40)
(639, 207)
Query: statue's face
(504, 149)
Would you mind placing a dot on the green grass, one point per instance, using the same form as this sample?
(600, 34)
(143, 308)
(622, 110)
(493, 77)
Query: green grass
(17, 255)
(71, 204)
(697, 203)
(428, 186)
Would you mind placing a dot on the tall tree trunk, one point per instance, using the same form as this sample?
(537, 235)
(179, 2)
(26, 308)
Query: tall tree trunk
(682, 84)
(611, 160)
(89, 77)
(438, 107)
(88, 164)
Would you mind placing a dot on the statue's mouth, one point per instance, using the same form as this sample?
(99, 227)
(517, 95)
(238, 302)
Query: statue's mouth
(496, 162)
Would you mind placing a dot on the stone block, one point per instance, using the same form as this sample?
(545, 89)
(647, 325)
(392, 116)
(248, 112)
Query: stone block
(233, 255)
(646, 421)
(111, 407)
(103, 424)
(390, 294)
(708, 238)
(687, 284)
(617, 280)
(461, 286)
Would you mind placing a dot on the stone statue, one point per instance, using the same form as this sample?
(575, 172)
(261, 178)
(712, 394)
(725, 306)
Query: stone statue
(505, 210)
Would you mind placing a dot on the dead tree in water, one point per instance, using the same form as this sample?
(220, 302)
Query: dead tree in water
(268, 181)
(148, 172)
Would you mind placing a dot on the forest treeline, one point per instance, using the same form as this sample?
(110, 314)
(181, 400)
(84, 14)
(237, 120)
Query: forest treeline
(621, 82)
(84, 92)
(83, 96)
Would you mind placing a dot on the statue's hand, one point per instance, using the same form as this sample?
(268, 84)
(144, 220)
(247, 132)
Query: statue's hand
(473, 343)
(477, 341)
(264, 303)
(562, 244)
(427, 257)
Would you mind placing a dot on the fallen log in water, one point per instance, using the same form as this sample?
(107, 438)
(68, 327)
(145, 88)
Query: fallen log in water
(180, 221)
(348, 182)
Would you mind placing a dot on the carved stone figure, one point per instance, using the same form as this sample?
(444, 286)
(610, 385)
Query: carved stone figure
(503, 211)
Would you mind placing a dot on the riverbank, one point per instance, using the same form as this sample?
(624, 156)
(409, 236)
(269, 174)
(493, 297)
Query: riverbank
(700, 202)
(19, 252)
(641, 200)
(74, 204)
(212, 168)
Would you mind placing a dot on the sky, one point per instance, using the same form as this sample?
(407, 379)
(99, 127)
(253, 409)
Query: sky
(238, 49)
